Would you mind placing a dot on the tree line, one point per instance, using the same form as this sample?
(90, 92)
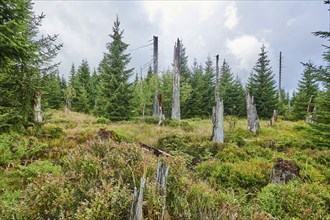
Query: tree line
(109, 90)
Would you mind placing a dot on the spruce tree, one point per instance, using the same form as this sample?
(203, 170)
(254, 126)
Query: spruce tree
(52, 91)
(261, 85)
(116, 91)
(23, 55)
(80, 82)
(208, 94)
(307, 88)
(321, 129)
(193, 107)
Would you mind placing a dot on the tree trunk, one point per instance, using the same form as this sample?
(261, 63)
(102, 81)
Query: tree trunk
(37, 109)
(176, 83)
(155, 68)
(217, 116)
(161, 116)
(252, 116)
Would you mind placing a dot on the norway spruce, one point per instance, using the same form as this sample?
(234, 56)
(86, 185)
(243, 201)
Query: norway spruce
(114, 101)
(231, 92)
(307, 88)
(261, 86)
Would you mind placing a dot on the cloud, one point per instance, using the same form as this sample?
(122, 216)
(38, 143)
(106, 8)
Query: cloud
(231, 16)
(245, 49)
(290, 22)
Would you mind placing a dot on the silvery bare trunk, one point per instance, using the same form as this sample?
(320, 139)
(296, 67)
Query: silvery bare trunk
(137, 203)
(155, 64)
(162, 173)
(161, 116)
(37, 109)
(252, 116)
(217, 116)
(176, 83)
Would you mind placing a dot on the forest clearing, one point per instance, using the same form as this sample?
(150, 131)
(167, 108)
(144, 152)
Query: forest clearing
(65, 170)
(220, 139)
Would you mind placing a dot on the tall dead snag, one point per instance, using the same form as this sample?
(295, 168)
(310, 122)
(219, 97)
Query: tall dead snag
(161, 116)
(176, 83)
(217, 116)
(37, 109)
(252, 116)
(155, 64)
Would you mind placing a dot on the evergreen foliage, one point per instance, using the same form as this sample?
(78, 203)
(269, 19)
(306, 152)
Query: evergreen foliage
(80, 81)
(261, 85)
(208, 94)
(321, 129)
(193, 108)
(231, 92)
(22, 56)
(52, 91)
(115, 90)
(307, 88)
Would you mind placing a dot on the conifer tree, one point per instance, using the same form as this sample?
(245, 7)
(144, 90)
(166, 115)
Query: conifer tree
(81, 84)
(193, 108)
(261, 85)
(307, 88)
(166, 89)
(116, 91)
(321, 129)
(22, 56)
(52, 91)
(208, 94)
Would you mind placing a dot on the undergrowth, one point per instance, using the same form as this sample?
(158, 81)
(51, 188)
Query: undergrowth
(64, 170)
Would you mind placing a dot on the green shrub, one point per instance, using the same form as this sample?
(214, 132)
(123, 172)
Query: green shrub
(247, 175)
(14, 147)
(196, 147)
(295, 200)
(102, 120)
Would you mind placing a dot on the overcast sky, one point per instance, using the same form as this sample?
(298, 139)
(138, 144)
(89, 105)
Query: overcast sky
(234, 30)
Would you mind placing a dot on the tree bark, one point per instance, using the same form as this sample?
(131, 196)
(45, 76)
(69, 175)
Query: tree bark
(37, 109)
(155, 68)
(217, 116)
(176, 83)
(252, 116)
(161, 116)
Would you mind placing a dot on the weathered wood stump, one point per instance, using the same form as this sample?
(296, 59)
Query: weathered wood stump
(252, 115)
(106, 135)
(284, 171)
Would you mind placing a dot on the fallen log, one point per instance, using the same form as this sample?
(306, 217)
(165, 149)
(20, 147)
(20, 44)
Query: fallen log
(155, 150)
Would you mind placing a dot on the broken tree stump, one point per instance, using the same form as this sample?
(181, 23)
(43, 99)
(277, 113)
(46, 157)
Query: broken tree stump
(284, 171)
(37, 109)
(252, 116)
(273, 119)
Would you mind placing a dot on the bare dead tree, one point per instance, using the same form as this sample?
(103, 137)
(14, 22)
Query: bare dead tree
(176, 82)
(155, 68)
(217, 116)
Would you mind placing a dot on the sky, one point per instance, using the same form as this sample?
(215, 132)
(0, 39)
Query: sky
(235, 30)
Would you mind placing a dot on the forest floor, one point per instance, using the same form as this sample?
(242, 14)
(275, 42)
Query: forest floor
(65, 170)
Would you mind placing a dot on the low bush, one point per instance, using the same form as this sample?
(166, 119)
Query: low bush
(295, 201)
(102, 120)
(14, 148)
